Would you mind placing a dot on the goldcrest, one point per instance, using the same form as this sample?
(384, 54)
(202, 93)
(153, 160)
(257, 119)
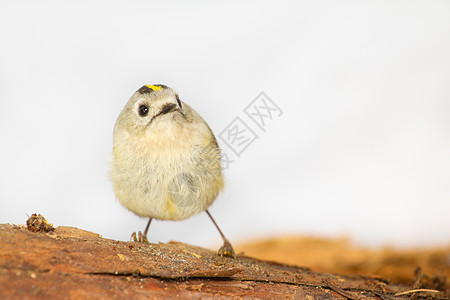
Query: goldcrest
(166, 161)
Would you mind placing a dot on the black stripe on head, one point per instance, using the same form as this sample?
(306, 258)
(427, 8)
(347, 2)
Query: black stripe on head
(178, 101)
(161, 86)
(145, 90)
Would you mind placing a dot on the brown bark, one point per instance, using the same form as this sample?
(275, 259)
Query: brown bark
(70, 263)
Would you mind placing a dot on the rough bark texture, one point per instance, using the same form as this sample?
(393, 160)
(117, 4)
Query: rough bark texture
(70, 263)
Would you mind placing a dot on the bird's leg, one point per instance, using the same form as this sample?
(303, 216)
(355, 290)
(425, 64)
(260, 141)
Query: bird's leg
(142, 238)
(226, 249)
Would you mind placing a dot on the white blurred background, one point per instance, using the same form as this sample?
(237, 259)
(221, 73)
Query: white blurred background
(362, 148)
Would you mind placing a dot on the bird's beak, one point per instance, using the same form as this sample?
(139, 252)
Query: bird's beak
(167, 109)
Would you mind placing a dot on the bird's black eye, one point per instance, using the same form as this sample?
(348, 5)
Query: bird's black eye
(179, 102)
(143, 110)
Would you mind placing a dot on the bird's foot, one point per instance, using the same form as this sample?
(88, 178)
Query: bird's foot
(227, 250)
(140, 238)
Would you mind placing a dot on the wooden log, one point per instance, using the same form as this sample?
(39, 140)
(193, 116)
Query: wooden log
(70, 263)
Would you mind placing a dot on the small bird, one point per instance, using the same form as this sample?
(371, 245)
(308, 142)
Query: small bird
(166, 161)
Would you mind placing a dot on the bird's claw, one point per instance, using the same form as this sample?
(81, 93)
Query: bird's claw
(140, 238)
(227, 250)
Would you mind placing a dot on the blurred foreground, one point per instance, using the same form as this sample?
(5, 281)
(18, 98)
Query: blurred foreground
(428, 268)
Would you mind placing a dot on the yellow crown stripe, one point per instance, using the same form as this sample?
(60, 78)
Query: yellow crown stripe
(154, 87)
